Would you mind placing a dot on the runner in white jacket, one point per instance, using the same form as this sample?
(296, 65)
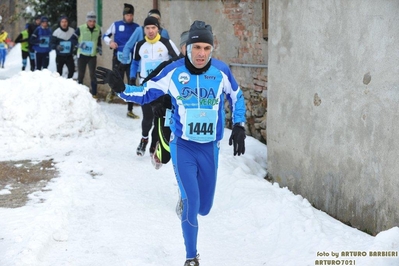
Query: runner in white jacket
(149, 53)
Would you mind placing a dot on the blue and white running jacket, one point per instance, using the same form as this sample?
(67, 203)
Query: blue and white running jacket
(197, 100)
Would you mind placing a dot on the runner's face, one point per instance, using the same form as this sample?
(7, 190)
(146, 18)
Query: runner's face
(128, 18)
(91, 23)
(64, 23)
(200, 53)
(151, 31)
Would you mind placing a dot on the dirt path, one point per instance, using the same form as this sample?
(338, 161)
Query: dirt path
(18, 179)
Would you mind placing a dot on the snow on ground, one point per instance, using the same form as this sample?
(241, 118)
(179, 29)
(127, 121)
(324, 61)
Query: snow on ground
(110, 207)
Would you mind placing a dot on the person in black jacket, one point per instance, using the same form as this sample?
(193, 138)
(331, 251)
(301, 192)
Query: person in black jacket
(31, 28)
(23, 38)
(60, 41)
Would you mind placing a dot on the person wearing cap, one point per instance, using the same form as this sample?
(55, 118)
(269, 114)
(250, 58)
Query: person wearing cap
(149, 53)
(60, 42)
(23, 39)
(197, 85)
(87, 38)
(138, 35)
(40, 40)
(159, 107)
(121, 31)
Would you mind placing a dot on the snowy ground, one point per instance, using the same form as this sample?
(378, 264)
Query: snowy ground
(111, 207)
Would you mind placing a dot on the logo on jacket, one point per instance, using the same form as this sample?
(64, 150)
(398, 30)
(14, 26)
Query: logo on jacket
(183, 78)
(207, 97)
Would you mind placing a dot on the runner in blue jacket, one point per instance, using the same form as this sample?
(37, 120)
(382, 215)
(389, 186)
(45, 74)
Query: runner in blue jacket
(121, 31)
(138, 35)
(40, 40)
(197, 85)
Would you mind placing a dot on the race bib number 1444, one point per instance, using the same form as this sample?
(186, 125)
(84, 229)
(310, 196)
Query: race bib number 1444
(201, 125)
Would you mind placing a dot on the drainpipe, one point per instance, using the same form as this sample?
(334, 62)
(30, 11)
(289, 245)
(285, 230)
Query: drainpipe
(155, 4)
(99, 9)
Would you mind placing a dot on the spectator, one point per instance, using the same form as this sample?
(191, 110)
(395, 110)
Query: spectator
(121, 30)
(197, 85)
(87, 38)
(60, 42)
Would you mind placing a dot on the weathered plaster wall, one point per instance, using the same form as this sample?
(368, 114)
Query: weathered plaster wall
(333, 107)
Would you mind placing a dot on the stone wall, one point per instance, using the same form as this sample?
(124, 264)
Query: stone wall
(249, 65)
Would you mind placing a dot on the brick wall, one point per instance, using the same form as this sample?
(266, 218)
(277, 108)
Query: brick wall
(249, 63)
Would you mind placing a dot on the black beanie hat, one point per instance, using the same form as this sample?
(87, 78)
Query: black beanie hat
(154, 11)
(200, 32)
(128, 9)
(151, 21)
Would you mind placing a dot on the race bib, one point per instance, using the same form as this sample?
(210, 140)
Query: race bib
(150, 66)
(168, 118)
(201, 124)
(67, 47)
(120, 57)
(44, 41)
(86, 47)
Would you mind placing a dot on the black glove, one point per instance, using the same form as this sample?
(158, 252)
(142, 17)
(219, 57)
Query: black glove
(99, 50)
(60, 48)
(158, 109)
(237, 139)
(114, 80)
(132, 81)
